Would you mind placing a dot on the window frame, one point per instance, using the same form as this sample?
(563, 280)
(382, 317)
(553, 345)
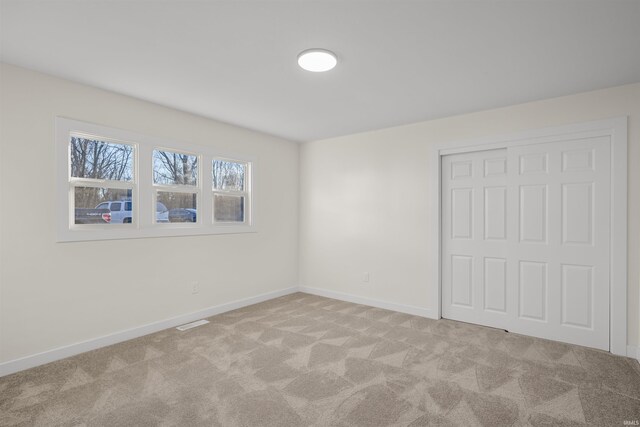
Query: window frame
(145, 191)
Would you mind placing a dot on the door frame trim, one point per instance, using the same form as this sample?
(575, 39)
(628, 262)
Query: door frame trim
(616, 129)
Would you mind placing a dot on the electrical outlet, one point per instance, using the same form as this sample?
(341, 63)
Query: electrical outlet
(366, 277)
(195, 288)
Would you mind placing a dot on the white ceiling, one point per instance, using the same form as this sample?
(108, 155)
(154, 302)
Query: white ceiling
(399, 61)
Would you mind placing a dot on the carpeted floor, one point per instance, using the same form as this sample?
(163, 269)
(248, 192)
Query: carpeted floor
(304, 360)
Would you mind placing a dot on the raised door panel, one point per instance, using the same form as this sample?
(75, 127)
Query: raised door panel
(533, 290)
(577, 213)
(533, 163)
(462, 280)
(577, 296)
(495, 284)
(461, 169)
(495, 213)
(578, 160)
(533, 213)
(495, 166)
(462, 213)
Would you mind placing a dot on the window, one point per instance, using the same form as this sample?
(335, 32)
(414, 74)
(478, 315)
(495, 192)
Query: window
(115, 184)
(229, 191)
(175, 177)
(100, 171)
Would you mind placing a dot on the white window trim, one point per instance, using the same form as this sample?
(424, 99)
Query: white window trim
(616, 129)
(144, 190)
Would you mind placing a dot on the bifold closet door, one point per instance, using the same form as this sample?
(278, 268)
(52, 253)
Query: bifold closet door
(525, 239)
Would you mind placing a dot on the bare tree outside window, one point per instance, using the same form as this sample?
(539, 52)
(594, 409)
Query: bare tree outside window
(171, 168)
(229, 176)
(100, 160)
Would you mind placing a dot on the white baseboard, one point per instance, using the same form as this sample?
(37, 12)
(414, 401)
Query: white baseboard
(634, 352)
(27, 362)
(409, 309)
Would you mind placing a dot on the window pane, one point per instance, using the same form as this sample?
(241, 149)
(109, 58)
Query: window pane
(101, 160)
(94, 206)
(176, 207)
(173, 168)
(228, 176)
(228, 208)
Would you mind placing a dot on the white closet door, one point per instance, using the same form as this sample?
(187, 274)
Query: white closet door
(525, 239)
(474, 237)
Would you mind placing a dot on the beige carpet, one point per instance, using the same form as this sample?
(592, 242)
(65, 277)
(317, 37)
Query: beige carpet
(304, 360)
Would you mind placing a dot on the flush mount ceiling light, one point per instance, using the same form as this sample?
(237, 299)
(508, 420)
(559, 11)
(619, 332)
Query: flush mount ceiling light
(317, 60)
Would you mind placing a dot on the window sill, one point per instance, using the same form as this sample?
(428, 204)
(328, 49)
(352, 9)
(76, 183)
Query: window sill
(98, 232)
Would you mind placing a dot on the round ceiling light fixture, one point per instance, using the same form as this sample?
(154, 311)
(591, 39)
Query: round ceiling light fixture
(317, 60)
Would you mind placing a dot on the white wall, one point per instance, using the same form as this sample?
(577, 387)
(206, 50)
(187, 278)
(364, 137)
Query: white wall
(364, 198)
(57, 294)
